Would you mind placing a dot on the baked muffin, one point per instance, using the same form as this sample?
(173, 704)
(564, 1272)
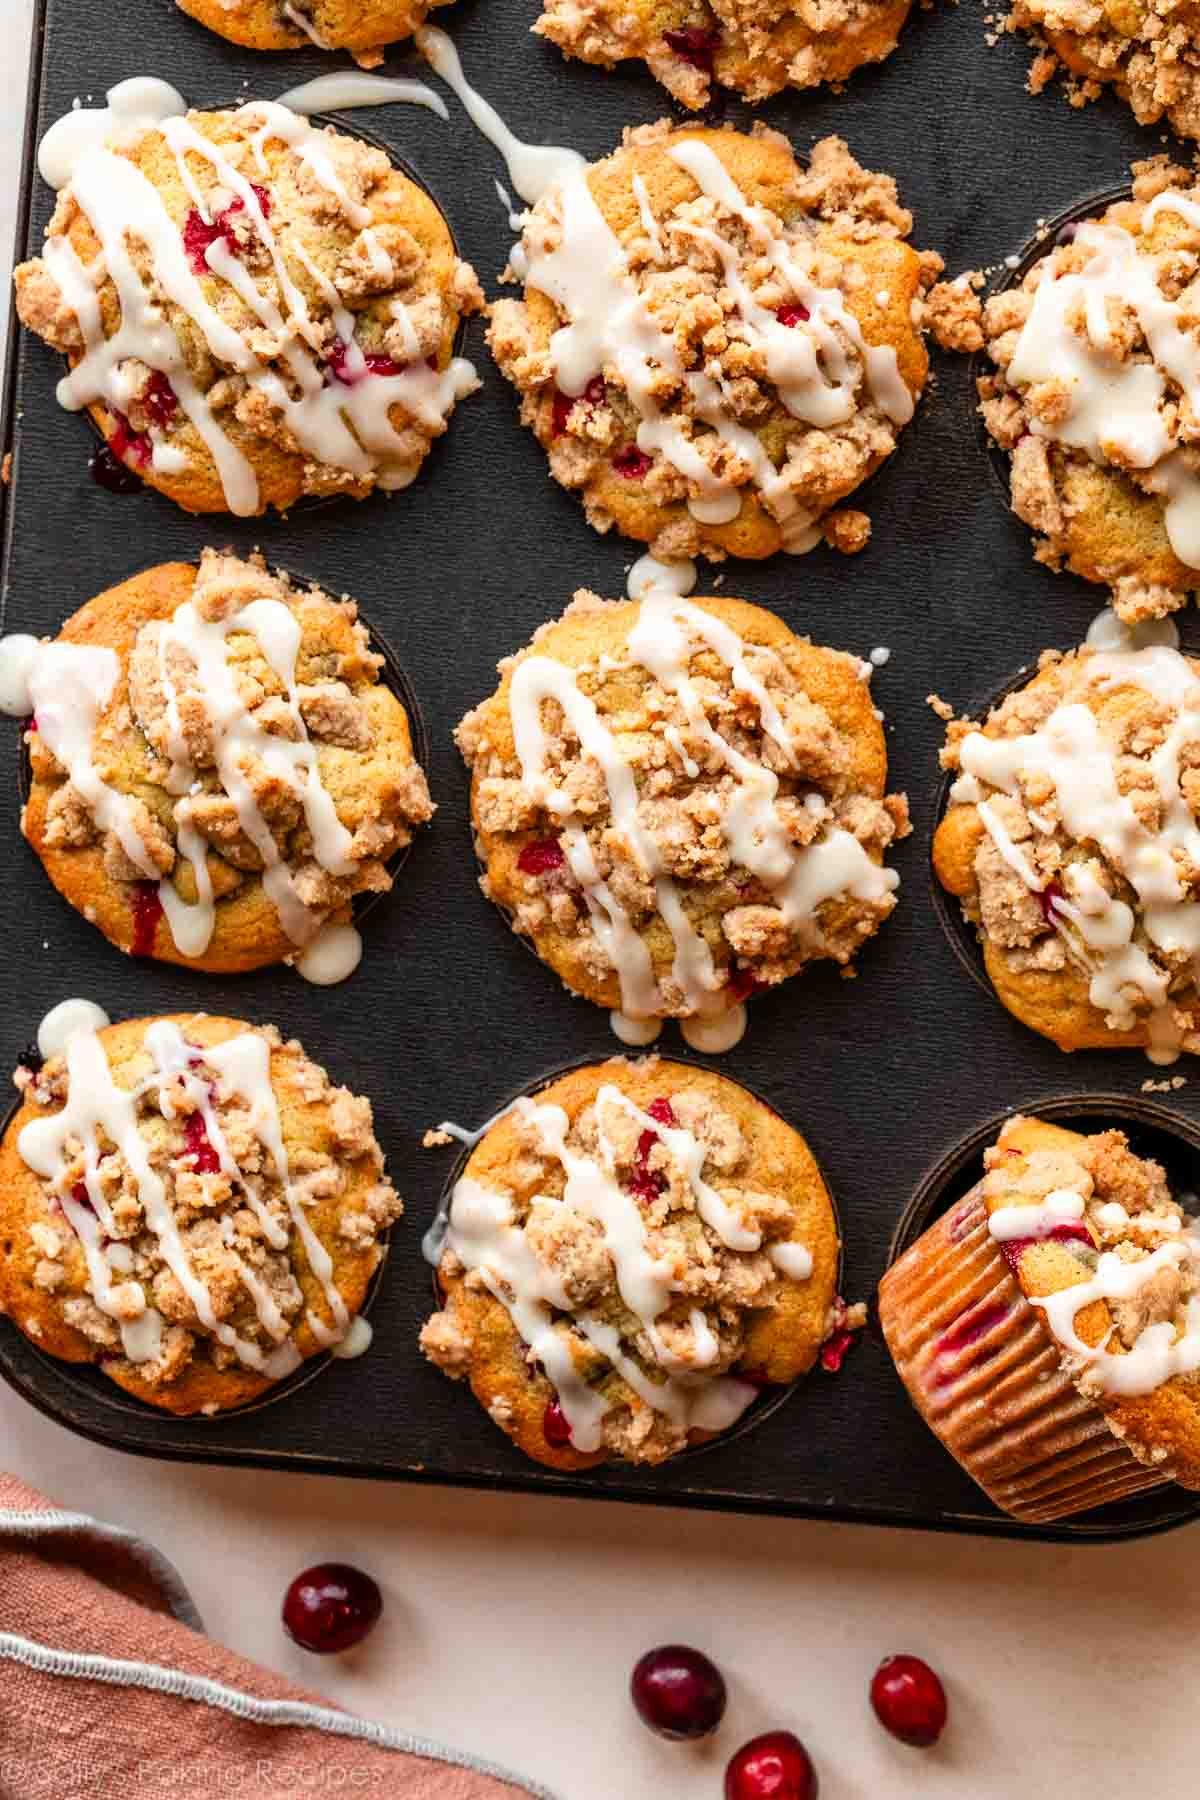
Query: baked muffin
(284, 323)
(364, 27)
(190, 1204)
(216, 766)
(716, 345)
(1071, 840)
(1148, 50)
(1046, 1327)
(628, 1258)
(689, 45)
(679, 802)
(1097, 360)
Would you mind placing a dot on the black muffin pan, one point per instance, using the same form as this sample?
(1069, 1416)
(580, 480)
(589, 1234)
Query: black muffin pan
(889, 1076)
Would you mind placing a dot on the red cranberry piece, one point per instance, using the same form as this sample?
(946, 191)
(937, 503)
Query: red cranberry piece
(678, 1692)
(909, 1700)
(110, 473)
(330, 1608)
(160, 400)
(199, 233)
(972, 1326)
(835, 1349)
(127, 444)
(540, 856)
(81, 1197)
(198, 1145)
(647, 1184)
(556, 1427)
(744, 982)
(1048, 900)
(775, 1766)
(792, 313)
(31, 1058)
(375, 363)
(693, 44)
(632, 463)
(592, 395)
(147, 911)
(1067, 1233)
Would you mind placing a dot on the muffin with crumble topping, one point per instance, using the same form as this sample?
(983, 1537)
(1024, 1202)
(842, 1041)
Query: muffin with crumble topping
(715, 346)
(1047, 1328)
(679, 802)
(276, 311)
(629, 1257)
(217, 766)
(364, 27)
(190, 1204)
(696, 46)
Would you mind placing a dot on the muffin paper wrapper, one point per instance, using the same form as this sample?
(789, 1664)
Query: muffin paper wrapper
(984, 1372)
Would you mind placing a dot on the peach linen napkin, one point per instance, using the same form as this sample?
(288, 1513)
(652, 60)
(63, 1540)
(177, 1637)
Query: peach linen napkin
(109, 1690)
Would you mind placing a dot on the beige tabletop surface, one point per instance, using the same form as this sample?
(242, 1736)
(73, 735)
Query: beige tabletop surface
(511, 1624)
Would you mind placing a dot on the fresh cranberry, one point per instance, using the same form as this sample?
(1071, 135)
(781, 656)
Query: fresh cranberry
(147, 911)
(110, 473)
(127, 444)
(592, 395)
(541, 856)
(331, 1607)
(1012, 1248)
(1048, 899)
(556, 1428)
(647, 1184)
(742, 983)
(775, 1766)
(375, 363)
(693, 44)
(792, 313)
(678, 1692)
(909, 1700)
(199, 233)
(632, 463)
(198, 1145)
(159, 399)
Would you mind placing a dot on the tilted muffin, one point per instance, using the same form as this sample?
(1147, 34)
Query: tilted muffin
(364, 27)
(679, 802)
(1073, 844)
(628, 1258)
(689, 45)
(276, 310)
(1097, 390)
(217, 768)
(190, 1204)
(716, 346)
(1148, 50)
(1048, 1327)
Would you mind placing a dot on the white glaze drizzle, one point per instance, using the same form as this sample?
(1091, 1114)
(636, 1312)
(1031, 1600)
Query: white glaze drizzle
(587, 275)
(63, 1020)
(1007, 1223)
(800, 879)
(348, 88)
(1117, 411)
(342, 423)
(1070, 751)
(332, 956)
(1157, 1354)
(482, 1232)
(18, 653)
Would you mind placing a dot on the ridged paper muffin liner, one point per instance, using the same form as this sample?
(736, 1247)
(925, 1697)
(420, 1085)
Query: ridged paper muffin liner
(984, 1372)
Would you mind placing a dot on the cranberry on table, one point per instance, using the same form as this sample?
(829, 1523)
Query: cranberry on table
(775, 1766)
(331, 1607)
(678, 1692)
(909, 1700)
